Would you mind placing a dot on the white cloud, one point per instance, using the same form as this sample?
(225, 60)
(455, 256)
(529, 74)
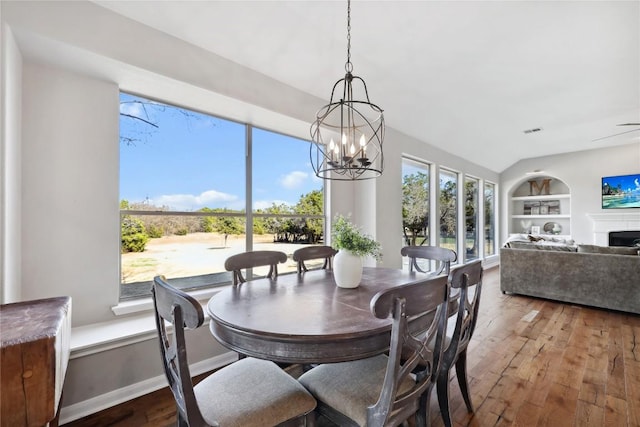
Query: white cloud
(637, 182)
(210, 198)
(131, 108)
(264, 204)
(293, 180)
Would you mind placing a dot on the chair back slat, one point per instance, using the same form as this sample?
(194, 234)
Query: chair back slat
(251, 259)
(313, 252)
(182, 311)
(464, 277)
(410, 353)
(443, 257)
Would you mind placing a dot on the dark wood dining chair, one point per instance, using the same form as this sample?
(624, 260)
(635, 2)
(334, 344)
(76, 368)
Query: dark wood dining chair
(251, 259)
(468, 280)
(249, 392)
(443, 257)
(381, 390)
(313, 252)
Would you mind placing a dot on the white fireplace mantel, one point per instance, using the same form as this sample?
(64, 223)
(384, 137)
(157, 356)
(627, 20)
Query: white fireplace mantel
(605, 222)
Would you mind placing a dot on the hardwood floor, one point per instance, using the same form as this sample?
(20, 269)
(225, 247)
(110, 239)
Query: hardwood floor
(532, 362)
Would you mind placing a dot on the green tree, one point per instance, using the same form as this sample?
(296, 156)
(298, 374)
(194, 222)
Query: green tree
(415, 207)
(471, 194)
(277, 226)
(448, 196)
(133, 236)
(228, 225)
(311, 204)
(208, 223)
(470, 205)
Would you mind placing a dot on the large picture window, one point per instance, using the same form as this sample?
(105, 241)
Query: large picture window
(415, 202)
(471, 212)
(415, 206)
(187, 199)
(448, 185)
(489, 219)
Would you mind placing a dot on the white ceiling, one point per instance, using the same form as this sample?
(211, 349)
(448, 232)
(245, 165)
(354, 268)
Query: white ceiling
(469, 77)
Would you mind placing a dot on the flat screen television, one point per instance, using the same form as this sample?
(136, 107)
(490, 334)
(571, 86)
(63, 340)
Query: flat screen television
(620, 192)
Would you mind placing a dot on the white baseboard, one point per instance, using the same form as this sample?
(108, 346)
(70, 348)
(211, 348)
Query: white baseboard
(116, 397)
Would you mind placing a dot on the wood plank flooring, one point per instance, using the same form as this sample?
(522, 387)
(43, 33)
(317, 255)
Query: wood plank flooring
(532, 362)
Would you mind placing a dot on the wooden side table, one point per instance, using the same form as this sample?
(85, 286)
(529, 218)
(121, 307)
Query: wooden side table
(35, 337)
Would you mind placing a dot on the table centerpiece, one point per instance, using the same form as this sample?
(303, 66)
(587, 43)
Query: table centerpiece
(352, 246)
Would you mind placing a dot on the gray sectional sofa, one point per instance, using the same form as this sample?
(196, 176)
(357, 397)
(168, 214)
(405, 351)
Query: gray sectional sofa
(582, 274)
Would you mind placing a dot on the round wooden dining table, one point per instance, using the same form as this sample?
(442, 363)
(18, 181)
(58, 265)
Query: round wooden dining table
(304, 318)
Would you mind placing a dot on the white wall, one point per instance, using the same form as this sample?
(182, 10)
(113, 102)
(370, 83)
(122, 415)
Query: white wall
(10, 169)
(70, 194)
(582, 171)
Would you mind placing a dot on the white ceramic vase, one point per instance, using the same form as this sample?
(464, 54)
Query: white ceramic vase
(347, 269)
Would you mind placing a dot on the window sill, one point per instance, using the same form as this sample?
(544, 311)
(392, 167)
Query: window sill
(146, 304)
(138, 326)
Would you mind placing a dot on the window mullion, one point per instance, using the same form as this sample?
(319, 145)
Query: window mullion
(249, 186)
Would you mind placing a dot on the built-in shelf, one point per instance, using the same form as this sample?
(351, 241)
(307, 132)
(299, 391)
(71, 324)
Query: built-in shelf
(542, 197)
(534, 212)
(540, 216)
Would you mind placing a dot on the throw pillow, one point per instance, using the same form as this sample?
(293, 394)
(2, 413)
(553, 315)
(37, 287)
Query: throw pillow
(615, 250)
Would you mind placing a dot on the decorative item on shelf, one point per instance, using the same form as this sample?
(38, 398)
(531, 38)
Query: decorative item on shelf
(535, 229)
(352, 246)
(348, 132)
(536, 190)
(526, 225)
(531, 208)
(552, 228)
(554, 207)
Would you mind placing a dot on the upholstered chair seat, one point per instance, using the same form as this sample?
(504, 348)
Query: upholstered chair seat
(247, 393)
(387, 390)
(351, 387)
(251, 393)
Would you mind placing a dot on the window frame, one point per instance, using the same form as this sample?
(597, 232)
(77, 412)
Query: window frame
(128, 305)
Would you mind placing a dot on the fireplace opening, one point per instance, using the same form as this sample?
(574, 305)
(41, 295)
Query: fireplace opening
(624, 238)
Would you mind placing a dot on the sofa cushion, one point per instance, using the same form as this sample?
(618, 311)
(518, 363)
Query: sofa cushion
(615, 250)
(542, 245)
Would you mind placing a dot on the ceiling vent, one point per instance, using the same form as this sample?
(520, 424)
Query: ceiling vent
(534, 130)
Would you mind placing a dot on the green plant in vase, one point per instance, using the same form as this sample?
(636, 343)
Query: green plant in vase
(352, 245)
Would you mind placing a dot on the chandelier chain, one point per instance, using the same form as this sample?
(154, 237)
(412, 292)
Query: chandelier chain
(348, 66)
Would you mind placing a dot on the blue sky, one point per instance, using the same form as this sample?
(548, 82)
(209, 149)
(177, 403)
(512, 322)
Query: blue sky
(628, 183)
(193, 161)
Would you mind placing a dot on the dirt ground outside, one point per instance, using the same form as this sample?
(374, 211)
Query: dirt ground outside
(195, 254)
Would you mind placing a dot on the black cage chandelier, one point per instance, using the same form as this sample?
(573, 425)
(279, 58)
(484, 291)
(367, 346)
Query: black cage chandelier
(348, 133)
